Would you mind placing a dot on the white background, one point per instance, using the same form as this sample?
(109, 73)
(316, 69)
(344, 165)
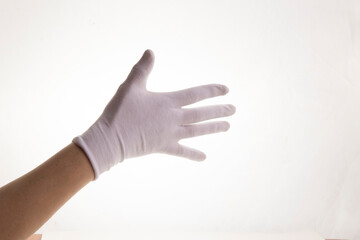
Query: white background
(290, 160)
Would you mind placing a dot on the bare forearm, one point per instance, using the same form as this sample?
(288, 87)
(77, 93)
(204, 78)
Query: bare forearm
(29, 201)
(136, 120)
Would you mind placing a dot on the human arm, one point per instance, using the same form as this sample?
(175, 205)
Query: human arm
(30, 200)
(135, 122)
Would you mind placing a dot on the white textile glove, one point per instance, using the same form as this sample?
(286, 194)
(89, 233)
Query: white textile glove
(137, 122)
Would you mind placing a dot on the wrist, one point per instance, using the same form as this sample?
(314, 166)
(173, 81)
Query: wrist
(101, 146)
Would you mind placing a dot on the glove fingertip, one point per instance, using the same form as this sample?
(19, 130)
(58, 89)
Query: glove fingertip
(148, 57)
(149, 52)
(202, 157)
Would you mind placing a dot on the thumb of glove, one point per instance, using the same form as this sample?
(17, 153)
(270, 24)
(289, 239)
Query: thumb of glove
(141, 70)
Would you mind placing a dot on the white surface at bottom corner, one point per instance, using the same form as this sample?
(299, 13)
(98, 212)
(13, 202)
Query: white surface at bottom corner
(179, 236)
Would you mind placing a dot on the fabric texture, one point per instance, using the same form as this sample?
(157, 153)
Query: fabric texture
(137, 122)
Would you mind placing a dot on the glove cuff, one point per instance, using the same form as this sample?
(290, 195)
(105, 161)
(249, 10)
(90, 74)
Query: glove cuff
(102, 148)
(82, 144)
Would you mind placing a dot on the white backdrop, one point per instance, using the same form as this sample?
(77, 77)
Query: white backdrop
(290, 160)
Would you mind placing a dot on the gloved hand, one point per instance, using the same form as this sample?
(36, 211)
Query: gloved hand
(137, 122)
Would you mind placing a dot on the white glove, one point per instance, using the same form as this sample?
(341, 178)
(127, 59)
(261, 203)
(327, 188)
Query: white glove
(137, 122)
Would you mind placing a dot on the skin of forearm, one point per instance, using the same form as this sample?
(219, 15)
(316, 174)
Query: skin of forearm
(30, 200)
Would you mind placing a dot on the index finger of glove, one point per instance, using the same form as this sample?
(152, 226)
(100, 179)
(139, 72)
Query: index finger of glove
(195, 94)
